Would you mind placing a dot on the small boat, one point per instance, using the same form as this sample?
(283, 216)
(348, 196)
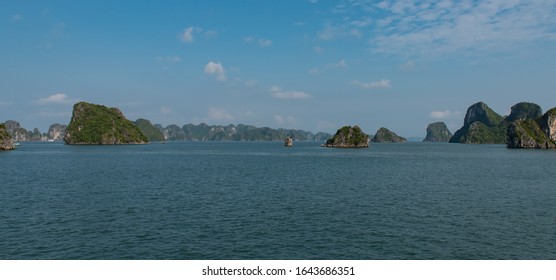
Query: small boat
(17, 144)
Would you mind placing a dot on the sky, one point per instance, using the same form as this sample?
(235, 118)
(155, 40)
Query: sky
(308, 64)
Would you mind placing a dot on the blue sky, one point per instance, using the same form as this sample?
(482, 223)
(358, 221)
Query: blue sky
(314, 65)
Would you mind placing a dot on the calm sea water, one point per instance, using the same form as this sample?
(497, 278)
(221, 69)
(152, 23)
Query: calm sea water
(260, 200)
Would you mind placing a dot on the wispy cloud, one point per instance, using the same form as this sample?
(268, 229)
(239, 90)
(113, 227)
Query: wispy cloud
(188, 34)
(58, 98)
(265, 42)
(217, 70)
(372, 85)
(219, 114)
(334, 32)
(262, 42)
(2, 103)
(444, 114)
(437, 28)
(340, 64)
(279, 93)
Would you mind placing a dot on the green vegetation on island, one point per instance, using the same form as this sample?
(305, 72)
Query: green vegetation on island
(438, 132)
(149, 130)
(98, 124)
(539, 133)
(348, 137)
(5, 139)
(481, 126)
(240, 132)
(384, 135)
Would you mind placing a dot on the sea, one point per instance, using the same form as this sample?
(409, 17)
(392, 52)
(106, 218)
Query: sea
(261, 200)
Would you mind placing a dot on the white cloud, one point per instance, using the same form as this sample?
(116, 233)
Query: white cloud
(265, 42)
(277, 92)
(314, 71)
(187, 34)
(2, 103)
(377, 84)
(58, 98)
(216, 69)
(319, 49)
(248, 39)
(444, 114)
(219, 114)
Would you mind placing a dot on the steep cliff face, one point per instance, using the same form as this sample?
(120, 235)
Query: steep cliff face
(533, 134)
(348, 137)
(56, 132)
(481, 126)
(383, 135)
(437, 132)
(5, 139)
(100, 125)
(16, 131)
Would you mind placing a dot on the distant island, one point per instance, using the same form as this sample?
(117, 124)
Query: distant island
(525, 127)
(384, 135)
(93, 124)
(438, 132)
(348, 137)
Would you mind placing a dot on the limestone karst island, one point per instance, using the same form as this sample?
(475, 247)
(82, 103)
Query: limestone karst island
(93, 124)
(348, 137)
(525, 127)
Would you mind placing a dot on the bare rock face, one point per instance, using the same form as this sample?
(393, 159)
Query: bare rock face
(348, 137)
(56, 132)
(5, 139)
(533, 134)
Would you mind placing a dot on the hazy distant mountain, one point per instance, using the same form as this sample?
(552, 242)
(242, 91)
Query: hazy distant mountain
(241, 132)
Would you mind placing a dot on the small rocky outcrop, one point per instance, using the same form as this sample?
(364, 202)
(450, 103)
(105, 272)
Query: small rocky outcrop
(99, 125)
(533, 134)
(288, 142)
(481, 126)
(5, 139)
(348, 137)
(438, 132)
(383, 135)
